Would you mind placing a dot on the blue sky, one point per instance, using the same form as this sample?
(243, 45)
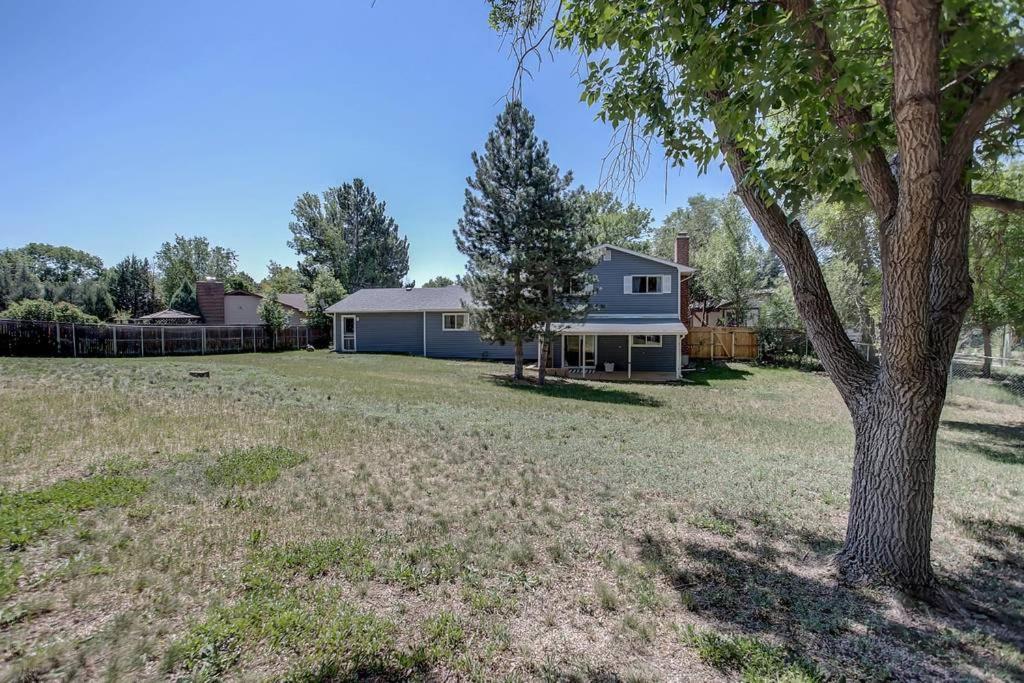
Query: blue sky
(126, 122)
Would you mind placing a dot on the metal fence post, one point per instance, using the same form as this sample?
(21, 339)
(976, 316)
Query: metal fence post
(203, 329)
(162, 351)
(114, 327)
(142, 341)
(58, 337)
(74, 346)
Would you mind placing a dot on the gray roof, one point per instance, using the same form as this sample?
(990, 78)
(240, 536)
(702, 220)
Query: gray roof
(401, 300)
(296, 301)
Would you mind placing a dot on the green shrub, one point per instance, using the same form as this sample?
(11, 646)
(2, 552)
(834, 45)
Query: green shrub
(252, 466)
(38, 309)
(28, 514)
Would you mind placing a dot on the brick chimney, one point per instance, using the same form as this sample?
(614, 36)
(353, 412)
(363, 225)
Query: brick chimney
(683, 259)
(210, 295)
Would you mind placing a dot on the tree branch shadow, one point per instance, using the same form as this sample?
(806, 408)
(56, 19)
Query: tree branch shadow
(577, 391)
(779, 584)
(998, 442)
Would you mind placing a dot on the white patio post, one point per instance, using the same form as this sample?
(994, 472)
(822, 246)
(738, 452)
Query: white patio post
(679, 360)
(629, 357)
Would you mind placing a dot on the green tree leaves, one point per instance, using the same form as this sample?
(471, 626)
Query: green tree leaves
(350, 234)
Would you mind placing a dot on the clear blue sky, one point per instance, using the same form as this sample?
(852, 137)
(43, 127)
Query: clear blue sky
(126, 122)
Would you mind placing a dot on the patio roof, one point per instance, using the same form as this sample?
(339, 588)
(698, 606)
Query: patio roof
(608, 326)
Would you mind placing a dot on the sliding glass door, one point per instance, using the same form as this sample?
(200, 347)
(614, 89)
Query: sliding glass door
(580, 350)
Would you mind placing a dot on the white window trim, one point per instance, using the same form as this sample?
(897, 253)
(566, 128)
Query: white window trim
(465, 325)
(647, 344)
(662, 280)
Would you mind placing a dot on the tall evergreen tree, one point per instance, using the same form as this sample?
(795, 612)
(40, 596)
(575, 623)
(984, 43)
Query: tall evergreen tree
(133, 287)
(518, 277)
(349, 233)
(184, 299)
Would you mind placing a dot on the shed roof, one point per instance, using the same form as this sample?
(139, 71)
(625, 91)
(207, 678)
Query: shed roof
(402, 300)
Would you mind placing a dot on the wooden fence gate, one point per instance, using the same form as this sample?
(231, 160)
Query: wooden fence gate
(723, 343)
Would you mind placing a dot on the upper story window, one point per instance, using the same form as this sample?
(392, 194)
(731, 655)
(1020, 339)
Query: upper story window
(647, 284)
(452, 322)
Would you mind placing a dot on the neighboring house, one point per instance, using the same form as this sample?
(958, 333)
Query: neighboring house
(636, 323)
(724, 312)
(240, 307)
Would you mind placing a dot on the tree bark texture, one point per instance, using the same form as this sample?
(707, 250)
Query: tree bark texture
(518, 373)
(542, 355)
(986, 343)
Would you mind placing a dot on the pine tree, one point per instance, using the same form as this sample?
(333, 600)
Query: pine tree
(184, 299)
(17, 281)
(133, 287)
(516, 210)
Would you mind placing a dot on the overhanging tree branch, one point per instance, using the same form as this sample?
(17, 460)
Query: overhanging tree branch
(1004, 204)
(850, 372)
(871, 163)
(1000, 90)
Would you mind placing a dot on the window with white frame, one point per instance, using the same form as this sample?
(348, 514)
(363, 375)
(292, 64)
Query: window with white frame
(642, 340)
(647, 284)
(453, 322)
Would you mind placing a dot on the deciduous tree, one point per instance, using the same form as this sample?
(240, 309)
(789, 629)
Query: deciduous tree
(439, 281)
(190, 259)
(326, 292)
(895, 103)
(612, 222)
(349, 233)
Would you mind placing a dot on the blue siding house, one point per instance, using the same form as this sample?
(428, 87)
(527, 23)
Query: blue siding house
(636, 323)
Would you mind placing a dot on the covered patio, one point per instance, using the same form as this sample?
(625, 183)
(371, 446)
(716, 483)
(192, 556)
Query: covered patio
(619, 349)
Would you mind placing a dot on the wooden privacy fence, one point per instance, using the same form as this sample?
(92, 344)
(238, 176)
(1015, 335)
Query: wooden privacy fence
(723, 343)
(44, 338)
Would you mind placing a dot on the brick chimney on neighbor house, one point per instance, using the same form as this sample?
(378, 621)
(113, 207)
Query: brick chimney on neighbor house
(683, 259)
(210, 295)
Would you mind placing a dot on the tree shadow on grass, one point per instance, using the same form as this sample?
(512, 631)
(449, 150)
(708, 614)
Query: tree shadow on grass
(774, 584)
(997, 442)
(577, 391)
(704, 375)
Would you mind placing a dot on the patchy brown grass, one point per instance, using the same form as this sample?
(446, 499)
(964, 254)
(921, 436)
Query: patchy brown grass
(316, 517)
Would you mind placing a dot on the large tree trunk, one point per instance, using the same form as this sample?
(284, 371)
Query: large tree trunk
(986, 345)
(518, 374)
(888, 535)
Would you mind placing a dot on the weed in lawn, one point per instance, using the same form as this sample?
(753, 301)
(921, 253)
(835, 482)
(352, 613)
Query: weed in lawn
(754, 660)
(10, 570)
(252, 466)
(26, 515)
(350, 557)
(606, 596)
(714, 524)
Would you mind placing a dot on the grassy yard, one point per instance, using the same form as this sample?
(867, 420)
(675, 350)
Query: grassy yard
(318, 517)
